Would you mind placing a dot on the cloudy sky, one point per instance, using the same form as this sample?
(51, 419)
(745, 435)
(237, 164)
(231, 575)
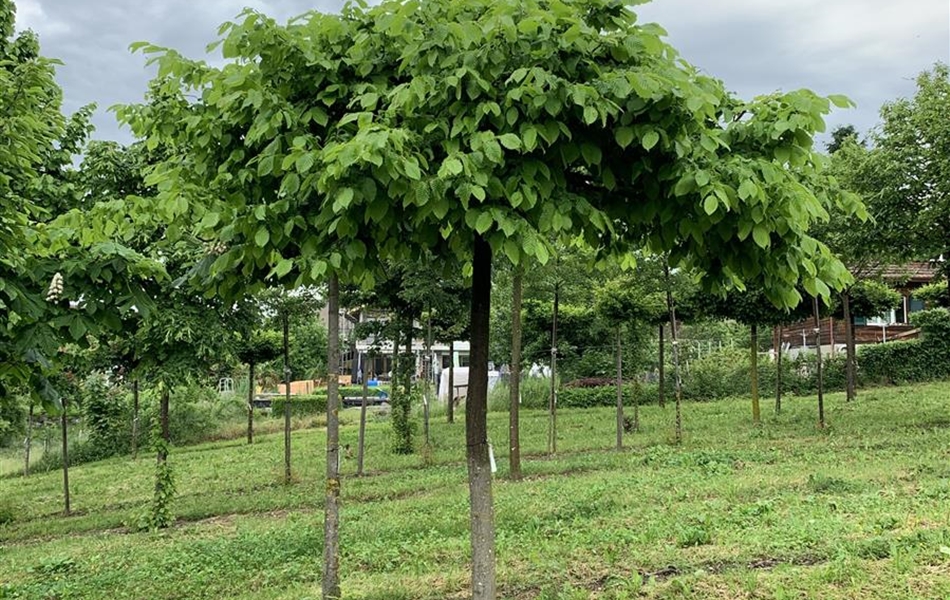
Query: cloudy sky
(870, 50)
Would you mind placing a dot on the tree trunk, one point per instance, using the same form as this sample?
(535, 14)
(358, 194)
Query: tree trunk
(821, 398)
(514, 397)
(678, 426)
(476, 430)
(850, 362)
(28, 443)
(361, 444)
(619, 392)
(250, 403)
(331, 523)
(427, 372)
(163, 416)
(162, 454)
(778, 372)
(135, 419)
(452, 382)
(552, 400)
(286, 352)
(402, 395)
(65, 427)
(754, 374)
(662, 389)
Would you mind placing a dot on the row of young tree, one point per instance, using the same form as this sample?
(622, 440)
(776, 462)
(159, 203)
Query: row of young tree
(336, 150)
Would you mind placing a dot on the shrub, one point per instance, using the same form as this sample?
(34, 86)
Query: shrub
(535, 392)
(312, 404)
(925, 359)
(587, 397)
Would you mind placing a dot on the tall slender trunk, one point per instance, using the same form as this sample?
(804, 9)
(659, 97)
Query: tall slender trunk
(476, 430)
(678, 425)
(662, 389)
(28, 443)
(821, 397)
(250, 403)
(427, 371)
(65, 426)
(514, 396)
(162, 454)
(331, 523)
(850, 362)
(135, 419)
(778, 371)
(552, 400)
(402, 396)
(361, 444)
(619, 392)
(286, 351)
(452, 382)
(754, 374)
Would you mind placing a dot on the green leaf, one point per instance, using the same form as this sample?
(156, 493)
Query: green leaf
(710, 204)
(453, 166)
(649, 140)
(748, 189)
(591, 154)
(343, 199)
(262, 237)
(590, 114)
(510, 141)
(841, 101)
(513, 251)
(624, 136)
(305, 162)
(318, 269)
(484, 222)
(283, 267)
(412, 170)
(761, 236)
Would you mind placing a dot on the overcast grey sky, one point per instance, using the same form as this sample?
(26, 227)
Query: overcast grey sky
(870, 50)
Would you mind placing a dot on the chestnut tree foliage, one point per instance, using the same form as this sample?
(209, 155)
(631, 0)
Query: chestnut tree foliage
(473, 129)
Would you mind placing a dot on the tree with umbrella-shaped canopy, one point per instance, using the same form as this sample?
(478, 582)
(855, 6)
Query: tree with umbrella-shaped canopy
(470, 130)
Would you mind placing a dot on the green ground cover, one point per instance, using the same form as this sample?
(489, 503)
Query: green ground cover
(860, 510)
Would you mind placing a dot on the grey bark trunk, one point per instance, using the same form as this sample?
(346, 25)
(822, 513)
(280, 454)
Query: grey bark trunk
(65, 426)
(28, 443)
(476, 430)
(451, 414)
(850, 359)
(778, 372)
(678, 425)
(361, 444)
(662, 389)
(427, 366)
(821, 397)
(552, 400)
(331, 523)
(619, 392)
(135, 419)
(250, 403)
(514, 397)
(754, 374)
(286, 351)
(162, 454)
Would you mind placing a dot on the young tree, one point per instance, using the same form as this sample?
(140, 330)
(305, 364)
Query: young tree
(620, 304)
(751, 307)
(256, 348)
(292, 311)
(471, 130)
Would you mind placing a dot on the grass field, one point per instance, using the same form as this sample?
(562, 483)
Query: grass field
(859, 510)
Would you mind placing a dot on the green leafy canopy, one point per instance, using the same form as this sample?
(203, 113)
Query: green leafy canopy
(411, 127)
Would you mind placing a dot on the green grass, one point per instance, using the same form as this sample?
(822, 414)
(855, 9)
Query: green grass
(784, 510)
